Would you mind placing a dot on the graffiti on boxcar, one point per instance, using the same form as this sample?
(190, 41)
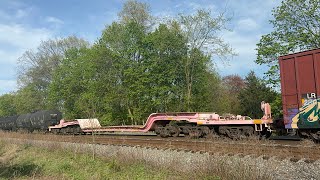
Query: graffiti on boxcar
(309, 113)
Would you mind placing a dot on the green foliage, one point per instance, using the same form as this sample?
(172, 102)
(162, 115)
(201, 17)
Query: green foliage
(201, 31)
(276, 107)
(7, 105)
(251, 96)
(230, 89)
(131, 71)
(296, 28)
(207, 93)
(35, 71)
(28, 99)
(137, 12)
(197, 75)
(74, 84)
(166, 51)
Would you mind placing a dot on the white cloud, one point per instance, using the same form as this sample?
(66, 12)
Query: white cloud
(247, 24)
(244, 45)
(54, 20)
(21, 38)
(7, 86)
(17, 14)
(243, 63)
(196, 6)
(249, 21)
(187, 7)
(15, 39)
(10, 58)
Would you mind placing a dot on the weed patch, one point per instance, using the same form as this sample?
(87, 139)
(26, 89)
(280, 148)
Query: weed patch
(30, 162)
(25, 169)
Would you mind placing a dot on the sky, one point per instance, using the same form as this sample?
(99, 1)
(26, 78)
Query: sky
(24, 24)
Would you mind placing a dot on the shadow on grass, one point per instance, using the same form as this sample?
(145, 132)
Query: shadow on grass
(19, 170)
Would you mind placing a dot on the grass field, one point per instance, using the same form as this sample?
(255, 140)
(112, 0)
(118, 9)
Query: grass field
(29, 162)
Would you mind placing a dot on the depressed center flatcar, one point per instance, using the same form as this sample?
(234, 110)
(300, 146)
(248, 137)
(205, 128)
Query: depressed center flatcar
(174, 124)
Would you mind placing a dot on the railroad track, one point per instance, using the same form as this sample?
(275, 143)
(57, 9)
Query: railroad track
(266, 149)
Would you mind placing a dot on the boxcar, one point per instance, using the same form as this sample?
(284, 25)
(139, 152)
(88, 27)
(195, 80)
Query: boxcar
(300, 88)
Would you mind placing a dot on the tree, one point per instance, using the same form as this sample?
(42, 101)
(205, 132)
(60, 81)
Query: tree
(232, 86)
(137, 12)
(234, 83)
(125, 43)
(276, 107)
(251, 96)
(111, 75)
(28, 99)
(207, 93)
(75, 83)
(166, 49)
(131, 72)
(7, 105)
(35, 68)
(202, 33)
(296, 27)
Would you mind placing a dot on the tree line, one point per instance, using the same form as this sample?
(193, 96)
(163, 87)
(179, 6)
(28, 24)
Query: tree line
(138, 66)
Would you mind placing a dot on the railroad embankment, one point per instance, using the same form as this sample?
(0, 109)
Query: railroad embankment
(25, 161)
(22, 158)
(36, 159)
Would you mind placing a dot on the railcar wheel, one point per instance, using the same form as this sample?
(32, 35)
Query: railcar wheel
(205, 130)
(234, 133)
(174, 130)
(157, 129)
(248, 131)
(63, 131)
(186, 129)
(76, 130)
(212, 135)
(196, 132)
(164, 133)
(315, 137)
(265, 134)
(176, 134)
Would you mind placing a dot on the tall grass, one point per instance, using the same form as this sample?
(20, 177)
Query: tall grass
(29, 162)
(74, 161)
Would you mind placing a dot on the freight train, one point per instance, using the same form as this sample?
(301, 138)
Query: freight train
(300, 89)
(190, 124)
(38, 120)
